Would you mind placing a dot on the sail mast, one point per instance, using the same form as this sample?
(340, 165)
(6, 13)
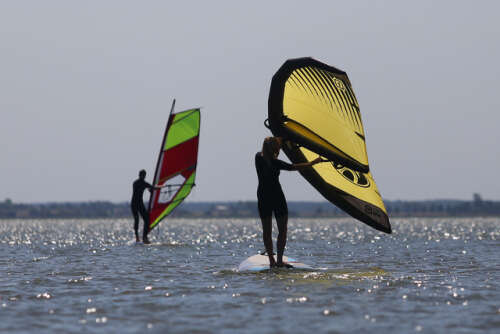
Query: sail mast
(157, 174)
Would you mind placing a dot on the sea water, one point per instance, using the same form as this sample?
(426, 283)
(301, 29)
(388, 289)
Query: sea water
(437, 275)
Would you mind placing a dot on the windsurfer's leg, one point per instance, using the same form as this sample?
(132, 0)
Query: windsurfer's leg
(282, 222)
(267, 236)
(267, 220)
(281, 214)
(145, 217)
(135, 214)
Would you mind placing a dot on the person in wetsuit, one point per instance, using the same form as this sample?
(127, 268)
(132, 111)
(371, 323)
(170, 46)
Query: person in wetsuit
(271, 198)
(137, 206)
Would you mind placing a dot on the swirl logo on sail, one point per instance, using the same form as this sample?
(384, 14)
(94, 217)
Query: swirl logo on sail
(339, 84)
(352, 176)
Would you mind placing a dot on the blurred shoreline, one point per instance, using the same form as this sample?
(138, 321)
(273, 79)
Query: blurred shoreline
(246, 209)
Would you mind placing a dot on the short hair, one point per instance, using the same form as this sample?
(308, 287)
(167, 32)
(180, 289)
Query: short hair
(142, 173)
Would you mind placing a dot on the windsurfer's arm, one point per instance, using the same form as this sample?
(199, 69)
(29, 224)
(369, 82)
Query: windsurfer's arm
(301, 165)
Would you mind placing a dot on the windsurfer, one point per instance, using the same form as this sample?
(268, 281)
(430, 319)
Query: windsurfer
(271, 198)
(138, 207)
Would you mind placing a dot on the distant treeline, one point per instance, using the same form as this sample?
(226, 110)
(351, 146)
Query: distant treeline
(101, 209)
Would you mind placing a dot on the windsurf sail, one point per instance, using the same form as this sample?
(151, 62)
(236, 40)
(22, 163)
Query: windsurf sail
(312, 105)
(176, 168)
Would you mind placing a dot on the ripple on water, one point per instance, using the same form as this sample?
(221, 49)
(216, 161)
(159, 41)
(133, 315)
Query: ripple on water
(89, 275)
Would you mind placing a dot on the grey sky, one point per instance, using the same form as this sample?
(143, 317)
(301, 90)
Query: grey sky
(86, 87)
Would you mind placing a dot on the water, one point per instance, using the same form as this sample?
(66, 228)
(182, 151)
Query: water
(429, 276)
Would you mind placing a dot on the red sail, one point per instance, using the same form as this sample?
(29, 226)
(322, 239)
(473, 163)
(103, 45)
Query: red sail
(176, 169)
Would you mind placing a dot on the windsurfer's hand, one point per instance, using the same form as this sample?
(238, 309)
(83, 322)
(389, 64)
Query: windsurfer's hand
(318, 160)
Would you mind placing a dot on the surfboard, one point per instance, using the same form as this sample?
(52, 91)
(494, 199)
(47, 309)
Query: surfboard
(261, 262)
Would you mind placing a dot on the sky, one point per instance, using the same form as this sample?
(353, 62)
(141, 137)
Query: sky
(86, 89)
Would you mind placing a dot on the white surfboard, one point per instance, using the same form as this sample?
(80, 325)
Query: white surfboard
(261, 262)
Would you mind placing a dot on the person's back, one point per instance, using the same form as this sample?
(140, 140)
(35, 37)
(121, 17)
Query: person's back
(138, 188)
(268, 172)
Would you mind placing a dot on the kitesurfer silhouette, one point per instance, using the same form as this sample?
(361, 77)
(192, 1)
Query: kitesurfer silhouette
(271, 198)
(138, 207)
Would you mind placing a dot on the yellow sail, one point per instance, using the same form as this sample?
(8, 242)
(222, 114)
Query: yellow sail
(313, 107)
(314, 104)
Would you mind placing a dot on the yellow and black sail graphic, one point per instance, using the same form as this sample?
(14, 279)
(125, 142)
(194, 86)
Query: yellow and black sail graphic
(312, 106)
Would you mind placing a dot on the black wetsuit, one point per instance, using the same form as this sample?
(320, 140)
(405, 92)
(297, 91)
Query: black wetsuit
(137, 206)
(269, 193)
